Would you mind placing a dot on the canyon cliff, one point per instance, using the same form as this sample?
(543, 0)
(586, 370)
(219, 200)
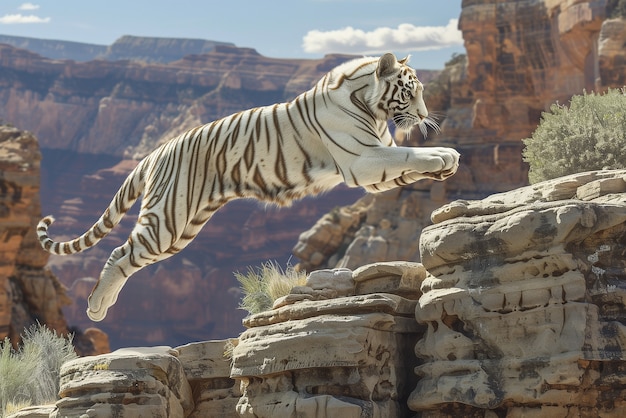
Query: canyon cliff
(29, 293)
(127, 47)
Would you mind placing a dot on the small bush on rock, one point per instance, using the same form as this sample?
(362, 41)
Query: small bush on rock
(261, 286)
(588, 135)
(30, 375)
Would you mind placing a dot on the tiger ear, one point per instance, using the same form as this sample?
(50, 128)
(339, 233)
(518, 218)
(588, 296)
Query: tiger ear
(405, 60)
(386, 65)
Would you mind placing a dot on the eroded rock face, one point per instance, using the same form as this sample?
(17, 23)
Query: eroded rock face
(525, 305)
(130, 382)
(28, 293)
(189, 381)
(207, 367)
(339, 346)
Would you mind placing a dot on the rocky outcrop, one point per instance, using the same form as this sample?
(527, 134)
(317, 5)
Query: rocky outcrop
(611, 51)
(517, 310)
(381, 227)
(525, 307)
(76, 51)
(207, 368)
(339, 346)
(139, 381)
(29, 293)
(189, 381)
(163, 50)
(342, 344)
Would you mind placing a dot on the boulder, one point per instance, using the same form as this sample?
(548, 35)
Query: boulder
(339, 346)
(130, 382)
(524, 306)
(207, 368)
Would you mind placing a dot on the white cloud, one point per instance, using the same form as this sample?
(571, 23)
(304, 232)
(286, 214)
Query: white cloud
(406, 37)
(20, 18)
(28, 6)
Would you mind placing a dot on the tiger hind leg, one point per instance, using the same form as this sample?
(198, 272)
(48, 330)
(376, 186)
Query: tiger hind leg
(118, 268)
(130, 258)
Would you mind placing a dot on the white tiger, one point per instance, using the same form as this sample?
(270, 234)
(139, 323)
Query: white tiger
(337, 131)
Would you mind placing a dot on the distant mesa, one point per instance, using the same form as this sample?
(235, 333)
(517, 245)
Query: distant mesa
(137, 48)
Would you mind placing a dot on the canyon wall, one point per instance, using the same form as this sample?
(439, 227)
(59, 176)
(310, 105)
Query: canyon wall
(136, 48)
(29, 292)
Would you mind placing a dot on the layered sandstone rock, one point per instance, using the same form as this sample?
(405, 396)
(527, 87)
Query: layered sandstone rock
(611, 52)
(518, 310)
(189, 381)
(525, 305)
(207, 368)
(339, 346)
(28, 293)
(130, 382)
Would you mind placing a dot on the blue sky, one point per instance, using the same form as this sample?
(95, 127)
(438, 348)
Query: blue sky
(275, 28)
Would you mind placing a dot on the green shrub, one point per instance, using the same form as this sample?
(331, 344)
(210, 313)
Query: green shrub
(261, 286)
(30, 375)
(588, 135)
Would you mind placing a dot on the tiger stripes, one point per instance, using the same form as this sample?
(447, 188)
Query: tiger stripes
(336, 131)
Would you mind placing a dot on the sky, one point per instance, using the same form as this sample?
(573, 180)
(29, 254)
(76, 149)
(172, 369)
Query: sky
(275, 28)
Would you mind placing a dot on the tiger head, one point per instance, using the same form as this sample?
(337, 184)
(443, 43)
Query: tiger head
(401, 95)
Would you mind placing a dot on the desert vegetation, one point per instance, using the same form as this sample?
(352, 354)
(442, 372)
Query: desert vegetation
(29, 375)
(262, 285)
(589, 134)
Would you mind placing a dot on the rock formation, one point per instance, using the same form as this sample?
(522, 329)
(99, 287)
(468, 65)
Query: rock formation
(525, 305)
(517, 310)
(207, 368)
(340, 346)
(29, 293)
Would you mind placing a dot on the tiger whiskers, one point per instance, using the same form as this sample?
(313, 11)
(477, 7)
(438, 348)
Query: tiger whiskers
(430, 121)
(406, 123)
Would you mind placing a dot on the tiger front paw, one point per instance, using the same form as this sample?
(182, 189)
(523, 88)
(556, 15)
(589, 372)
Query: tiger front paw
(439, 163)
